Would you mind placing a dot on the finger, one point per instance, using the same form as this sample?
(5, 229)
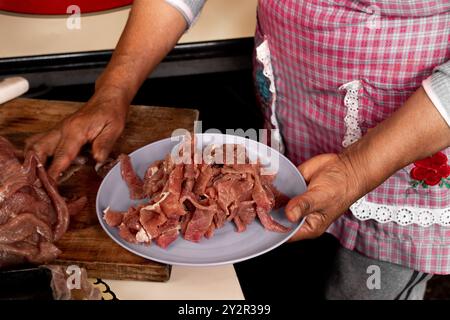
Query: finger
(66, 151)
(43, 144)
(104, 143)
(304, 204)
(315, 225)
(309, 167)
(300, 206)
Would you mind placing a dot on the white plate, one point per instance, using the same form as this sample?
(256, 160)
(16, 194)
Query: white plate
(226, 246)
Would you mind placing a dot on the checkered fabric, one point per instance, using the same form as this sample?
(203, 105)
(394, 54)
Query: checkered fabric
(390, 47)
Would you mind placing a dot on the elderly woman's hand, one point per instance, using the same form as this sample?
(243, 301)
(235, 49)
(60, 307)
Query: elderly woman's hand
(100, 122)
(333, 185)
(335, 181)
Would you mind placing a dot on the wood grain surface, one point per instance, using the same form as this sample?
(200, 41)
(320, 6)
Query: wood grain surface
(86, 244)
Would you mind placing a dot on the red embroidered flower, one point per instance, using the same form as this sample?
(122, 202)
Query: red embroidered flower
(431, 170)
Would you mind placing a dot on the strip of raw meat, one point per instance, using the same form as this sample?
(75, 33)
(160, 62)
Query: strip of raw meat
(126, 234)
(210, 232)
(246, 212)
(240, 226)
(171, 206)
(225, 194)
(169, 233)
(22, 226)
(263, 206)
(11, 177)
(131, 220)
(204, 178)
(220, 218)
(260, 195)
(58, 202)
(154, 179)
(46, 252)
(21, 202)
(192, 199)
(134, 183)
(12, 185)
(165, 239)
(280, 199)
(190, 174)
(151, 221)
(29, 166)
(268, 222)
(199, 225)
(185, 221)
(113, 218)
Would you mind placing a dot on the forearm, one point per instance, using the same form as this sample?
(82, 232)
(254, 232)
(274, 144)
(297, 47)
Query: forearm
(152, 30)
(415, 131)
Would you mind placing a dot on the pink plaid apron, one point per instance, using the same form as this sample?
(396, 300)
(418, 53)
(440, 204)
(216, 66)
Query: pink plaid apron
(326, 72)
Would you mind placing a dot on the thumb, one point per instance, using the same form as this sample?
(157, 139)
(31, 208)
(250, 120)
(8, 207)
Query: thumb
(301, 206)
(104, 143)
(315, 224)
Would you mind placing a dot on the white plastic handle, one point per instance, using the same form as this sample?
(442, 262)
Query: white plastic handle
(13, 87)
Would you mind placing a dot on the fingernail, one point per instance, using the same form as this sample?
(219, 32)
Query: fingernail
(98, 166)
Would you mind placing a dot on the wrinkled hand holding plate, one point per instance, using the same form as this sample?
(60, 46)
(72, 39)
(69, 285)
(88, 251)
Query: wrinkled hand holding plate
(226, 246)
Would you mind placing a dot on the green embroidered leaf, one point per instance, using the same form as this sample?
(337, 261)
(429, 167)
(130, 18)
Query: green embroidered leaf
(414, 183)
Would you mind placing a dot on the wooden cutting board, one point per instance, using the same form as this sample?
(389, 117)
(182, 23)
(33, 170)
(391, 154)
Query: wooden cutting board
(86, 244)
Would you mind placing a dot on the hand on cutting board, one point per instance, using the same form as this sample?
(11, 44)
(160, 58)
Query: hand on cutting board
(100, 122)
(332, 188)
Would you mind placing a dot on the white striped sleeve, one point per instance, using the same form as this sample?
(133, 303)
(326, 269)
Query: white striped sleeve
(437, 87)
(190, 9)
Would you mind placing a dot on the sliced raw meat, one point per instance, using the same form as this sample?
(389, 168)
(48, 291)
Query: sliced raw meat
(169, 233)
(171, 205)
(240, 226)
(32, 213)
(206, 174)
(196, 199)
(154, 179)
(113, 218)
(220, 218)
(246, 212)
(131, 219)
(151, 221)
(165, 239)
(199, 225)
(134, 183)
(23, 226)
(210, 232)
(126, 234)
(185, 221)
(268, 222)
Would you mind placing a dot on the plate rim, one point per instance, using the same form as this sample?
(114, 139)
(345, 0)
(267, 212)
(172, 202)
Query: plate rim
(99, 214)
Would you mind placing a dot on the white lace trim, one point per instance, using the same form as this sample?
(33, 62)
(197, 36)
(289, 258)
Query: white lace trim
(351, 101)
(365, 210)
(263, 56)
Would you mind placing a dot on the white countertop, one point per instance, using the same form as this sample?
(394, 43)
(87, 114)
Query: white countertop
(186, 283)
